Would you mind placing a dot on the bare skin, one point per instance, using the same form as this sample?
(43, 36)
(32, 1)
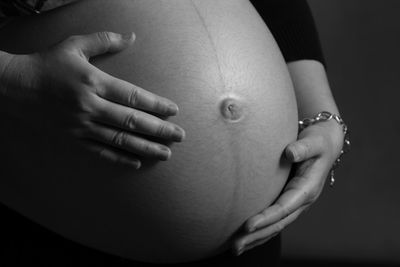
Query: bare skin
(103, 113)
(313, 154)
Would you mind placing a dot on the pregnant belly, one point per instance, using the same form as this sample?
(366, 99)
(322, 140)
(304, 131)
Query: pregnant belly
(218, 61)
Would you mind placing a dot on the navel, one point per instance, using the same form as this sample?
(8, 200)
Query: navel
(232, 109)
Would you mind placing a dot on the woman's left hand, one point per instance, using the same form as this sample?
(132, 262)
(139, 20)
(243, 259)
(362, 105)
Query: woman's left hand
(313, 153)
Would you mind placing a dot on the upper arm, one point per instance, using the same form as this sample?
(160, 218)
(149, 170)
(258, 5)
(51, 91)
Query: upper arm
(292, 24)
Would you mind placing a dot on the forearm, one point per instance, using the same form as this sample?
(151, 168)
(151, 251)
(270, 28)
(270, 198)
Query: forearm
(312, 88)
(5, 59)
(16, 83)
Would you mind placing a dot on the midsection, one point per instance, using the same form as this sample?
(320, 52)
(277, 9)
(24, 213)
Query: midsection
(206, 56)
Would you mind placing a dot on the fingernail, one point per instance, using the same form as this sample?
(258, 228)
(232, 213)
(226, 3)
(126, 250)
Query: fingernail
(127, 36)
(254, 224)
(292, 155)
(179, 134)
(251, 228)
(173, 109)
(240, 251)
(136, 164)
(164, 153)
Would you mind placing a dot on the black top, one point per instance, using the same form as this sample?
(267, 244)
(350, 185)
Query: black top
(292, 25)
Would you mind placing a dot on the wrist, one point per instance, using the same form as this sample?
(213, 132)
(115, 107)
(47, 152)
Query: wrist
(18, 76)
(313, 92)
(337, 129)
(332, 123)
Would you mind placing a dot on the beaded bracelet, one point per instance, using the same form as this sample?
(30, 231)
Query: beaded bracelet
(326, 116)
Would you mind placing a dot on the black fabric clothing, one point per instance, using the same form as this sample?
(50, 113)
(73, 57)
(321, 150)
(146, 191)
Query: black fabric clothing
(25, 243)
(293, 27)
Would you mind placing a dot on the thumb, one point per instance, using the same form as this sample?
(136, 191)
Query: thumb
(102, 42)
(304, 149)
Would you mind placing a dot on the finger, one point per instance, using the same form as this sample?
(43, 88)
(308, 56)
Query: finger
(98, 43)
(303, 189)
(249, 241)
(127, 142)
(305, 148)
(112, 155)
(129, 95)
(133, 120)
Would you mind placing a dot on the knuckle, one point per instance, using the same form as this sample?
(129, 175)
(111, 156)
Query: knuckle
(84, 106)
(131, 121)
(133, 97)
(148, 149)
(119, 139)
(104, 38)
(163, 130)
(310, 196)
(159, 106)
(89, 78)
(284, 210)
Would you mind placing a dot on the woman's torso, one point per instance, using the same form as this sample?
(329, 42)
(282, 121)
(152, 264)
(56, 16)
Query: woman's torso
(203, 55)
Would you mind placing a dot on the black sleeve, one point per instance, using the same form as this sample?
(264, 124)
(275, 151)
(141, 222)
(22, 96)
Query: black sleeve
(292, 25)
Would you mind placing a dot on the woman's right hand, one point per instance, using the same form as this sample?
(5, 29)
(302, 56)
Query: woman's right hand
(111, 117)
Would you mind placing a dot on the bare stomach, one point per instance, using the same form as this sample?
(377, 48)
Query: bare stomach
(218, 61)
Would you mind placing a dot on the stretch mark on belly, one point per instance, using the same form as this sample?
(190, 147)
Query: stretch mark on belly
(214, 47)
